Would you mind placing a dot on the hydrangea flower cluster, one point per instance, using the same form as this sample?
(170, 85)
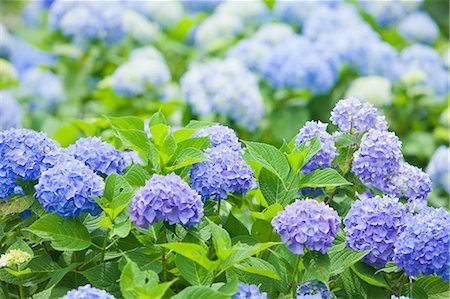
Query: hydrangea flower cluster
(68, 188)
(422, 248)
(378, 156)
(352, 115)
(439, 168)
(274, 33)
(217, 30)
(203, 88)
(24, 154)
(145, 70)
(419, 27)
(99, 156)
(374, 224)
(220, 135)
(314, 290)
(373, 89)
(139, 28)
(224, 172)
(307, 223)
(26, 56)
(249, 291)
(299, 63)
(327, 153)
(167, 198)
(296, 12)
(389, 13)
(11, 112)
(196, 6)
(87, 292)
(252, 13)
(167, 14)
(14, 257)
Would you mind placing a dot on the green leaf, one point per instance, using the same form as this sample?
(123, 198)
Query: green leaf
(65, 234)
(16, 205)
(271, 186)
(187, 157)
(127, 122)
(434, 287)
(192, 272)
(327, 177)
(243, 252)
(262, 230)
(193, 252)
(317, 267)
(307, 150)
(132, 278)
(352, 285)
(367, 273)
(159, 133)
(197, 124)
(341, 258)
(200, 292)
(58, 275)
(258, 266)
(199, 143)
(157, 292)
(115, 185)
(136, 176)
(136, 140)
(221, 240)
(105, 276)
(157, 118)
(269, 157)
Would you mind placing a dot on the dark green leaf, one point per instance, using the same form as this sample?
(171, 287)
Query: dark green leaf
(317, 267)
(105, 276)
(367, 273)
(192, 272)
(341, 258)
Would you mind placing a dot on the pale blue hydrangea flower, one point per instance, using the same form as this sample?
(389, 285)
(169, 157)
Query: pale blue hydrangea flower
(43, 89)
(251, 13)
(87, 292)
(167, 198)
(26, 56)
(224, 172)
(423, 247)
(378, 156)
(273, 34)
(439, 168)
(197, 6)
(241, 100)
(353, 115)
(220, 135)
(167, 14)
(68, 188)
(139, 28)
(132, 157)
(327, 153)
(378, 59)
(314, 290)
(251, 52)
(295, 12)
(419, 27)
(374, 224)
(217, 30)
(307, 223)
(389, 12)
(24, 154)
(11, 112)
(249, 291)
(99, 156)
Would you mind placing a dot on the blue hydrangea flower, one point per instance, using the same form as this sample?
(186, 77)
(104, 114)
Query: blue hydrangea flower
(352, 115)
(253, 13)
(220, 135)
(87, 292)
(139, 28)
(11, 112)
(167, 198)
(273, 34)
(196, 6)
(251, 52)
(312, 290)
(307, 223)
(389, 13)
(203, 88)
(299, 63)
(327, 153)
(131, 157)
(439, 169)
(424, 60)
(24, 154)
(378, 156)
(296, 12)
(374, 224)
(423, 247)
(43, 89)
(224, 172)
(249, 291)
(99, 156)
(378, 59)
(167, 14)
(26, 56)
(419, 27)
(68, 188)
(217, 30)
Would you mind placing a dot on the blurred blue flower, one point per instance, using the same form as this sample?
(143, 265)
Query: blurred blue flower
(26, 56)
(307, 223)
(273, 34)
(139, 28)
(419, 27)
(224, 87)
(250, 52)
(314, 290)
(167, 14)
(196, 6)
(439, 168)
(167, 198)
(374, 224)
(87, 292)
(68, 188)
(220, 135)
(253, 13)
(217, 30)
(423, 247)
(99, 156)
(11, 112)
(390, 12)
(249, 291)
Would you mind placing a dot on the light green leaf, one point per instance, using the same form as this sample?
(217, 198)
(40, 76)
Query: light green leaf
(327, 177)
(16, 204)
(269, 157)
(221, 240)
(137, 176)
(317, 267)
(243, 251)
(192, 272)
(271, 186)
(258, 266)
(193, 252)
(127, 122)
(434, 287)
(157, 292)
(132, 278)
(307, 150)
(200, 292)
(341, 258)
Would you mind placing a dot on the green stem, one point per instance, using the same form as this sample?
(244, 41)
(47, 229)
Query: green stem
(20, 284)
(218, 207)
(294, 272)
(402, 280)
(163, 257)
(105, 242)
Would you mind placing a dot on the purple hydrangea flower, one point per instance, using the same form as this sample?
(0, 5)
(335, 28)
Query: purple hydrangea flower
(307, 223)
(313, 290)
(249, 291)
(351, 114)
(11, 112)
(87, 292)
(423, 247)
(24, 154)
(379, 156)
(220, 135)
(324, 157)
(68, 188)
(99, 156)
(439, 168)
(166, 198)
(374, 224)
(224, 172)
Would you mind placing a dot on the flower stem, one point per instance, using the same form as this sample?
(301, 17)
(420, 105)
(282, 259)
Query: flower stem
(105, 242)
(218, 207)
(294, 272)
(20, 284)
(163, 257)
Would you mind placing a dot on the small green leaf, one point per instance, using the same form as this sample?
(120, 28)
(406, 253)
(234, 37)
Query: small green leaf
(327, 177)
(136, 176)
(157, 292)
(132, 278)
(308, 149)
(200, 292)
(16, 204)
(258, 266)
(269, 157)
(341, 258)
(221, 240)
(317, 267)
(193, 252)
(192, 272)
(271, 186)
(367, 273)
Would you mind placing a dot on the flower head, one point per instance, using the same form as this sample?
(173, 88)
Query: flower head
(273, 34)
(14, 257)
(87, 292)
(224, 172)
(10, 112)
(313, 290)
(307, 223)
(249, 291)
(374, 224)
(439, 168)
(217, 30)
(220, 135)
(68, 189)
(419, 27)
(167, 198)
(423, 247)
(99, 156)
(251, 52)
